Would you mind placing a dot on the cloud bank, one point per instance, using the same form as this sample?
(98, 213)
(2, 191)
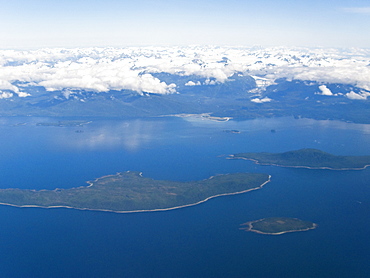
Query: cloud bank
(134, 68)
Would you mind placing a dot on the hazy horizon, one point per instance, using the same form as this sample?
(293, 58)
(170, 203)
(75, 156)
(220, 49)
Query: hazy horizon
(39, 24)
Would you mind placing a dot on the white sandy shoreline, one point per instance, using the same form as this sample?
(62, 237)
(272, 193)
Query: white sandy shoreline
(148, 210)
(203, 116)
(305, 167)
(250, 229)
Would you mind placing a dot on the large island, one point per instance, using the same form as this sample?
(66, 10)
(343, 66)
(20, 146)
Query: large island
(307, 158)
(131, 192)
(278, 225)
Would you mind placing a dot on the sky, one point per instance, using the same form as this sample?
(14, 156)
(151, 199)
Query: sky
(28, 24)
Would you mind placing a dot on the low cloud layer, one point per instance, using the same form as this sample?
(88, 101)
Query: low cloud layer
(105, 69)
(258, 100)
(355, 96)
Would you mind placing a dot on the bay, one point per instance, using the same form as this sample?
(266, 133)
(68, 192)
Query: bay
(198, 241)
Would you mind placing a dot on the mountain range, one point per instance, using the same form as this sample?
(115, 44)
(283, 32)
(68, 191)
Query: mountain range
(142, 82)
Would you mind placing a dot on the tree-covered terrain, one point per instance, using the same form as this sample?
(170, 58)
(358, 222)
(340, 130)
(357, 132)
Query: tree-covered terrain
(278, 225)
(130, 191)
(233, 98)
(309, 158)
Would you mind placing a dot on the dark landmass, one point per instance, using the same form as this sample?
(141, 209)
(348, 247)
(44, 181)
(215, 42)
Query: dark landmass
(231, 99)
(64, 123)
(232, 131)
(130, 192)
(307, 158)
(278, 225)
(203, 116)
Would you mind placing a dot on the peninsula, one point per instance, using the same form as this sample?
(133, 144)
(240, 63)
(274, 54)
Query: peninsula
(307, 158)
(278, 225)
(131, 192)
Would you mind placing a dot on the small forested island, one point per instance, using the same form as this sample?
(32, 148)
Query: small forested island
(64, 123)
(278, 225)
(232, 131)
(131, 192)
(203, 116)
(307, 158)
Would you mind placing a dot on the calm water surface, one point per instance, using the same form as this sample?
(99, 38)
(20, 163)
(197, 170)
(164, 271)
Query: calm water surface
(199, 241)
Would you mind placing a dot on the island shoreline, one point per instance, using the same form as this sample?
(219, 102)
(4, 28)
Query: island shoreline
(250, 228)
(203, 116)
(302, 167)
(135, 211)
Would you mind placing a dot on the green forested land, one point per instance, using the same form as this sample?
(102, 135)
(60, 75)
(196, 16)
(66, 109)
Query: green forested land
(130, 191)
(277, 225)
(308, 158)
(63, 123)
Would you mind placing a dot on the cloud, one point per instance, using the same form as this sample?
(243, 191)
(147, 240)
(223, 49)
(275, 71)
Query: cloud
(6, 85)
(354, 96)
(325, 91)
(262, 82)
(357, 10)
(101, 76)
(5, 95)
(191, 83)
(133, 68)
(94, 71)
(257, 100)
(67, 93)
(23, 94)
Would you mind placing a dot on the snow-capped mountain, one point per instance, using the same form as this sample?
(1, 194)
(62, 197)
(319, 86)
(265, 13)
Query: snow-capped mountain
(144, 81)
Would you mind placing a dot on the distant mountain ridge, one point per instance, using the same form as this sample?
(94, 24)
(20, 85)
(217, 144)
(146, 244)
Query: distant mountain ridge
(231, 99)
(241, 83)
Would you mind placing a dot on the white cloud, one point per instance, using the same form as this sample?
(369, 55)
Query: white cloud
(210, 82)
(67, 93)
(325, 91)
(191, 83)
(353, 95)
(5, 95)
(263, 82)
(132, 68)
(258, 100)
(102, 76)
(6, 85)
(23, 94)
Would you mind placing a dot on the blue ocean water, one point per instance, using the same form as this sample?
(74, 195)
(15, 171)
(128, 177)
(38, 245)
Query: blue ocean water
(198, 241)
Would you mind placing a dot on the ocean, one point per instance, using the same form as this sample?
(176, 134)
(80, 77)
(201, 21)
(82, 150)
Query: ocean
(198, 241)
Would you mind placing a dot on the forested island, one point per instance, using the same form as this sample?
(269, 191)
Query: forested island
(307, 158)
(278, 225)
(64, 123)
(131, 192)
